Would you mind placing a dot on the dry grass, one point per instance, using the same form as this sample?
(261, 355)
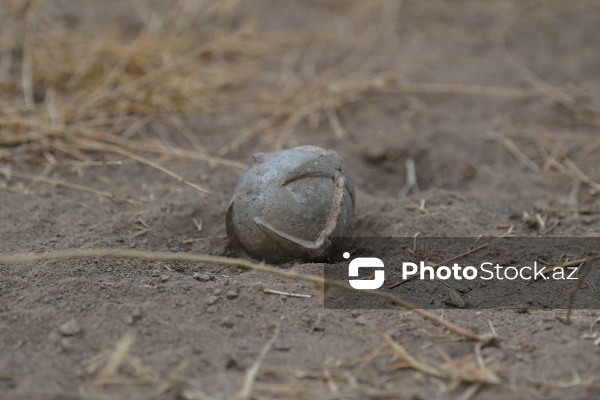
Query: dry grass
(66, 93)
(73, 94)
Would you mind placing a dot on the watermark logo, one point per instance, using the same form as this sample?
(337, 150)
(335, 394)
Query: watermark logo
(365, 262)
(457, 272)
(483, 273)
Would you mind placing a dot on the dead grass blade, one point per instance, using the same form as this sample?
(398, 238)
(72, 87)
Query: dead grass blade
(115, 360)
(246, 392)
(513, 149)
(58, 182)
(562, 163)
(153, 164)
(456, 372)
(560, 97)
(586, 268)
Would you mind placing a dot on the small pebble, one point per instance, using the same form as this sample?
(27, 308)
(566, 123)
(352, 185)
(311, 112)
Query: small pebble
(212, 300)
(136, 315)
(202, 277)
(164, 277)
(319, 325)
(239, 314)
(70, 328)
(217, 292)
(374, 154)
(361, 321)
(227, 323)
(231, 295)
(155, 273)
(234, 363)
(54, 337)
(66, 344)
(212, 309)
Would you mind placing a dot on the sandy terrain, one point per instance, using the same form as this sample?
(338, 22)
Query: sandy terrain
(493, 102)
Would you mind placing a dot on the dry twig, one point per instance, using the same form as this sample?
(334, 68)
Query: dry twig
(455, 372)
(272, 291)
(246, 392)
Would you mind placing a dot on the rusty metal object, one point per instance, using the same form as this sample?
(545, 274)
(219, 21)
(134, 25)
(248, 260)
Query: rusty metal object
(293, 204)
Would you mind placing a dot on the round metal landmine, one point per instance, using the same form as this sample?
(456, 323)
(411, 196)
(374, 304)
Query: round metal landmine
(293, 204)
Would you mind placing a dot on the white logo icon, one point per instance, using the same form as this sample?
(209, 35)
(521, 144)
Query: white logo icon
(365, 262)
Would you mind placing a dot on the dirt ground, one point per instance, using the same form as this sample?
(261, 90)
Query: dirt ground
(488, 161)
